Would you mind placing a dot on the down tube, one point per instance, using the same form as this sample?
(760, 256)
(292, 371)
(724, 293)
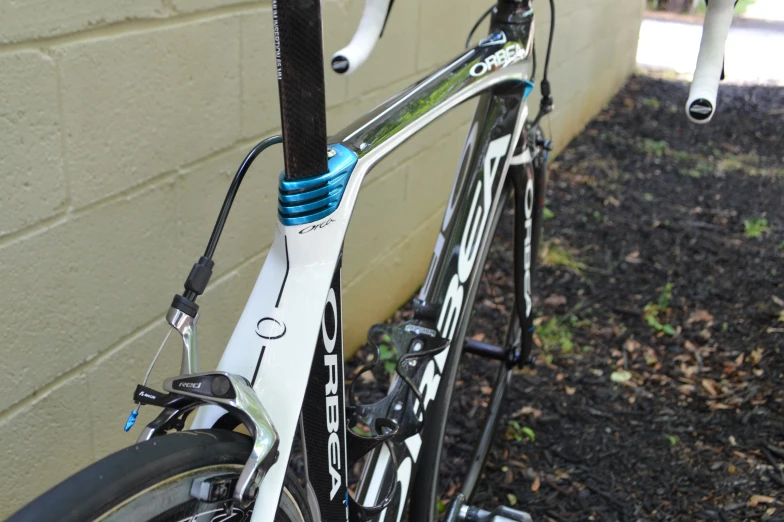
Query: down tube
(496, 126)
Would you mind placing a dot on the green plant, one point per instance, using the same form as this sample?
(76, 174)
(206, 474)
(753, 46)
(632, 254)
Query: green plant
(387, 354)
(653, 312)
(547, 213)
(554, 334)
(553, 254)
(517, 432)
(652, 102)
(656, 147)
(755, 227)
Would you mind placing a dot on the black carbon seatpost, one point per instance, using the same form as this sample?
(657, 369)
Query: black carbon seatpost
(299, 56)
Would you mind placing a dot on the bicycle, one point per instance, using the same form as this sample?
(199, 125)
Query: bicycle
(294, 316)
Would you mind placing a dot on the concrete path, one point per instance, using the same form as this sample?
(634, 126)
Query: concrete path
(753, 48)
(772, 10)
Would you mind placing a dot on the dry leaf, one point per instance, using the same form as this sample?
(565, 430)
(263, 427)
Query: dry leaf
(755, 500)
(612, 201)
(486, 389)
(756, 355)
(739, 359)
(710, 386)
(686, 389)
(536, 485)
(633, 258)
(716, 405)
(778, 300)
(478, 337)
(570, 390)
(690, 346)
(559, 377)
(631, 345)
(555, 300)
(527, 410)
(700, 315)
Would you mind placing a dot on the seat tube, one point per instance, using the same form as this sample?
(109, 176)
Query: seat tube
(300, 70)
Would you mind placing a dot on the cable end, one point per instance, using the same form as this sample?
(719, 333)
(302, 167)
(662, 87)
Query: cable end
(131, 419)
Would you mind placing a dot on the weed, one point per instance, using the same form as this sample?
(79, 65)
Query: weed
(653, 312)
(655, 146)
(781, 245)
(547, 213)
(553, 254)
(652, 102)
(387, 354)
(517, 432)
(680, 155)
(673, 439)
(647, 196)
(755, 227)
(555, 335)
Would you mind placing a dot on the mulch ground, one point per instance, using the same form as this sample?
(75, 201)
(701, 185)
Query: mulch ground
(658, 390)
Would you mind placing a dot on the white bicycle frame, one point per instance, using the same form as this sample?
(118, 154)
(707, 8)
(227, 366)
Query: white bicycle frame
(282, 320)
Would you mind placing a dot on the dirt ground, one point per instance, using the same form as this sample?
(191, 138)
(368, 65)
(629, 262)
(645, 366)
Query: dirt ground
(658, 391)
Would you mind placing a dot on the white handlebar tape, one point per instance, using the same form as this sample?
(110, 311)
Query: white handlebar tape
(348, 59)
(702, 97)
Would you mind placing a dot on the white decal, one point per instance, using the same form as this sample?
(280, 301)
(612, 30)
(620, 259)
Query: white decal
(331, 390)
(501, 58)
(529, 208)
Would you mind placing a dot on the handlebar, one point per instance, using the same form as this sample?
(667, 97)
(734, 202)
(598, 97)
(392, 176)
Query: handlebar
(370, 29)
(701, 104)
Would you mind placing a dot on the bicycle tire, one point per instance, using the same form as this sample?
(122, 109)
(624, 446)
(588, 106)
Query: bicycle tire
(151, 481)
(424, 505)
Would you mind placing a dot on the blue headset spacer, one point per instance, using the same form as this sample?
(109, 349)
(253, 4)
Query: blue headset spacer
(304, 201)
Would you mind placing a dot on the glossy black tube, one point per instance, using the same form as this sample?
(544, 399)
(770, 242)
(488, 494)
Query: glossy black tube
(303, 115)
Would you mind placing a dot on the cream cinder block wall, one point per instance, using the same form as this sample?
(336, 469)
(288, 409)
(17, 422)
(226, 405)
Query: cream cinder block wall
(121, 124)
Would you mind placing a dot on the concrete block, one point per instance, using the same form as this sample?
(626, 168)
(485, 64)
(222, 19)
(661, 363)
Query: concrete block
(376, 223)
(443, 28)
(31, 20)
(44, 443)
(141, 104)
(260, 106)
(388, 282)
(395, 55)
(78, 287)
(32, 184)
(200, 191)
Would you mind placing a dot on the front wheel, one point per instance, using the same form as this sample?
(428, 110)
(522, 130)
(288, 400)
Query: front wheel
(152, 481)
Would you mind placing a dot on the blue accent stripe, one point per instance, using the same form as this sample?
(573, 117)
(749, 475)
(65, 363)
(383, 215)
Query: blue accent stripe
(304, 201)
(529, 86)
